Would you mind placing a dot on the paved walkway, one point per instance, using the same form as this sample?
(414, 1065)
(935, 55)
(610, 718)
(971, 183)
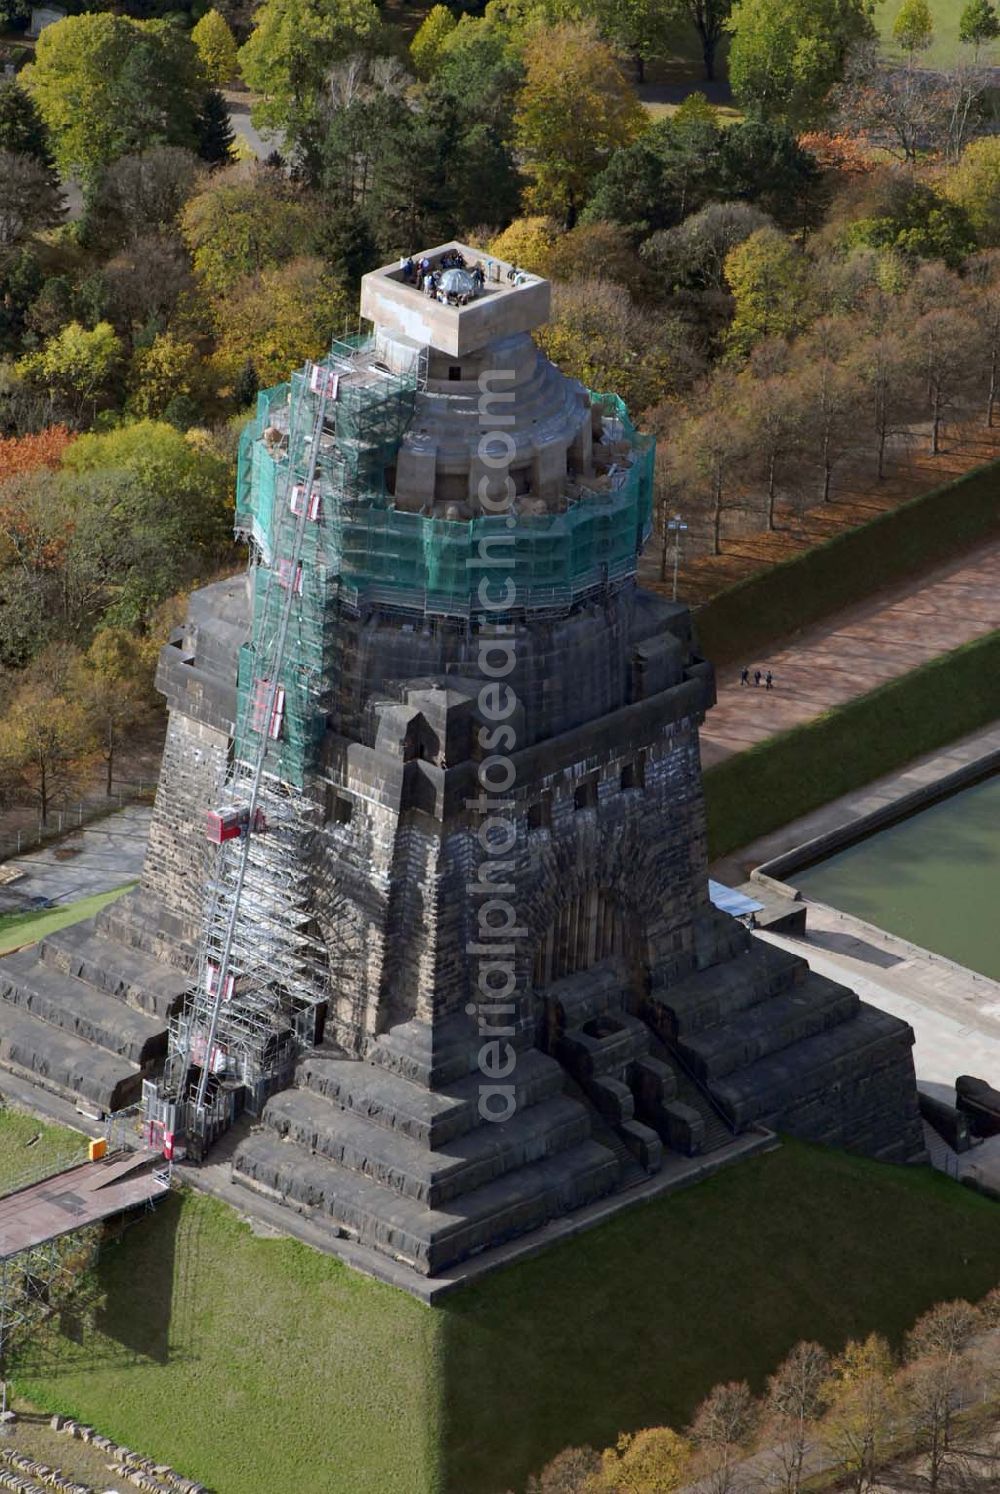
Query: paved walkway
(954, 1012)
(861, 648)
(97, 858)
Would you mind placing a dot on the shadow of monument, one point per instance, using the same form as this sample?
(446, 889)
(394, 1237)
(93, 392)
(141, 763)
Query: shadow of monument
(851, 945)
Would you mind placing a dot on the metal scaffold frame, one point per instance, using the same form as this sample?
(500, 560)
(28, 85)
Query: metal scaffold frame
(262, 967)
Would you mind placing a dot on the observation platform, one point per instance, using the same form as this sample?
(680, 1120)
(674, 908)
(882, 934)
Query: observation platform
(510, 301)
(84, 1195)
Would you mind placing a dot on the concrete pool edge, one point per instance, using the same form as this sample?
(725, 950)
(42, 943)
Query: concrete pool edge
(775, 871)
(970, 755)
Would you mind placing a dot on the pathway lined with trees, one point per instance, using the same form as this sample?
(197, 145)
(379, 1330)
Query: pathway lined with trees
(853, 652)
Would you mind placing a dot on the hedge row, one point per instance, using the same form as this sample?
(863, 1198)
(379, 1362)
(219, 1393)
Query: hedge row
(844, 570)
(757, 791)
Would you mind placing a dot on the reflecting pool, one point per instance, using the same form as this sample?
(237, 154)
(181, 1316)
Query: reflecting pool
(933, 879)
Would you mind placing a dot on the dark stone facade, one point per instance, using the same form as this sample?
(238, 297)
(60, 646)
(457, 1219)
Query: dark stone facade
(641, 1020)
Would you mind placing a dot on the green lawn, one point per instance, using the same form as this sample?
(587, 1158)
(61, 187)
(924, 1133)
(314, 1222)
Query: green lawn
(946, 50)
(29, 1146)
(794, 772)
(257, 1363)
(27, 928)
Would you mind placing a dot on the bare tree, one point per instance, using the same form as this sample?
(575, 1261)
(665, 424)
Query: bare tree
(983, 279)
(932, 1389)
(900, 109)
(708, 454)
(796, 1395)
(829, 394)
(885, 367)
(773, 424)
(948, 343)
(723, 1425)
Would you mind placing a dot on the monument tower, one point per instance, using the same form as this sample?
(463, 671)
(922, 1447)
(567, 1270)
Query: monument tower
(428, 853)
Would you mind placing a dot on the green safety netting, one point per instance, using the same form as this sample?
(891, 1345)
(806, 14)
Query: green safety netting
(361, 549)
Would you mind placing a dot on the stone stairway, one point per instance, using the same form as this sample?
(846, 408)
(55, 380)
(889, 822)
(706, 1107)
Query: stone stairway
(85, 1016)
(768, 1039)
(714, 1131)
(414, 1170)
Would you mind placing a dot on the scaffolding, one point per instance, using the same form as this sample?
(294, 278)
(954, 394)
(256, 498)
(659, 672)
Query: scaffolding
(314, 500)
(384, 556)
(323, 443)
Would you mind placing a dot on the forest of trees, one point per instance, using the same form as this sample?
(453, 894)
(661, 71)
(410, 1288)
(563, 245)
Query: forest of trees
(781, 298)
(861, 1419)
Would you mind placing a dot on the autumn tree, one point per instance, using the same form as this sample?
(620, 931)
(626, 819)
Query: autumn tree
(978, 25)
(43, 735)
(77, 368)
(693, 255)
(974, 184)
(654, 1459)
(114, 686)
(244, 221)
(161, 372)
(216, 47)
(278, 319)
(796, 1397)
(107, 85)
(28, 453)
(597, 333)
(786, 55)
(913, 28)
(863, 1403)
(768, 278)
(527, 242)
(427, 46)
(292, 49)
(574, 109)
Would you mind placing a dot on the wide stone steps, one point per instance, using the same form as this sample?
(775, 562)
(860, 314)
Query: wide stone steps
(73, 1006)
(768, 1086)
(434, 1178)
(431, 1117)
(139, 922)
(64, 1063)
(429, 1240)
(128, 975)
(717, 993)
(812, 1007)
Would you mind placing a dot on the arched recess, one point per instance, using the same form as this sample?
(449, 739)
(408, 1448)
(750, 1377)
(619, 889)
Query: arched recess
(588, 928)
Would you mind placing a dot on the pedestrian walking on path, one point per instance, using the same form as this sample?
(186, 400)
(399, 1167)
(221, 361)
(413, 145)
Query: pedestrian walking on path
(768, 680)
(744, 677)
(756, 679)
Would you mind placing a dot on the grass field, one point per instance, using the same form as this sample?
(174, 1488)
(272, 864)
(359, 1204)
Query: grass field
(946, 50)
(27, 928)
(258, 1363)
(28, 1146)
